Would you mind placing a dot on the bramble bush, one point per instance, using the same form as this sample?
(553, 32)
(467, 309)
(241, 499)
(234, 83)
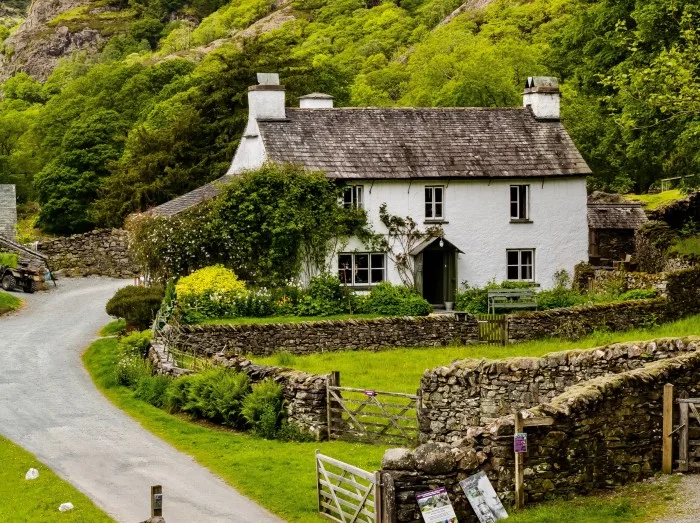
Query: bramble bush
(137, 305)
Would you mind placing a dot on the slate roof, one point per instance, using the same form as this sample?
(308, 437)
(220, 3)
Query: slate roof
(403, 143)
(410, 143)
(616, 216)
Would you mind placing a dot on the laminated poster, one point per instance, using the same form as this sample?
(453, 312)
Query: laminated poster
(483, 498)
(435, 507)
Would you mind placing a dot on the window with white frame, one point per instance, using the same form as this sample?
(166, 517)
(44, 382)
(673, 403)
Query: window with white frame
(361, 268)
(521, 264)
(434, 202)
(519, 202)
(352, 197)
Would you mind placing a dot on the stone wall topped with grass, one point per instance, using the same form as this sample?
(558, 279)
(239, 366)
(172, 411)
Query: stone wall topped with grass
(330, 335)
(472, 393)
(604, 432)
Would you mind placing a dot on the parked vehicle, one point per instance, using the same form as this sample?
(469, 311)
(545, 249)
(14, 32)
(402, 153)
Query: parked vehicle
(23, 278)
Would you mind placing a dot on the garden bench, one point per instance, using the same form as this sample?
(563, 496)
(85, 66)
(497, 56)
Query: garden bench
(511, 299)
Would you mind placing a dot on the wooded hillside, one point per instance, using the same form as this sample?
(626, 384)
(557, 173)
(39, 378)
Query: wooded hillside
(159, 108)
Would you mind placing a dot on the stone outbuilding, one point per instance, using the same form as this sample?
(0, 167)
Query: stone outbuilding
(611, 229)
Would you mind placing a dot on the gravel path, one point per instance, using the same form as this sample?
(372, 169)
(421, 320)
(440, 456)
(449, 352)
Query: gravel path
(49, 406)
(687, 510)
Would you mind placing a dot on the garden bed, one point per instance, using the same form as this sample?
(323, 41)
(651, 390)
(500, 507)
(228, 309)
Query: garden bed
(286, 319)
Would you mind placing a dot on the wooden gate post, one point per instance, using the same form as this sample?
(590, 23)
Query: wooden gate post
(519, 475)
(667, 429)
(683, 424)
(333, 381)
(156, 500)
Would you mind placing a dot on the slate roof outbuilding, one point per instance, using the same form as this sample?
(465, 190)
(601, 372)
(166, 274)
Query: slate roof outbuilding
(616, 216)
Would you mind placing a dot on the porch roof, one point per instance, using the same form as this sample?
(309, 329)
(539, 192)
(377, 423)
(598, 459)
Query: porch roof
(447, 245)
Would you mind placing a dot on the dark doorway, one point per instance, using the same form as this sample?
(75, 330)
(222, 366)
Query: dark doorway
(433, 276)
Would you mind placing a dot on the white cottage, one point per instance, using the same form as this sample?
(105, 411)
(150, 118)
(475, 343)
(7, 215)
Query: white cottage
(506, 185)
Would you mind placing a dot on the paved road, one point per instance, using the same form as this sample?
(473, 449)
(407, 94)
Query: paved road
(49, 406)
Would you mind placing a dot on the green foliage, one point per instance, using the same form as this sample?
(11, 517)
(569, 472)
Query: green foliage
(136, 305)
(639, 294)
(267, 225)
(396, 300)
(130, 370)
(8, 259)
(135, 344)
(215, 394)
(475, 299)
(325, 297)
(263, 408)
(153, 390)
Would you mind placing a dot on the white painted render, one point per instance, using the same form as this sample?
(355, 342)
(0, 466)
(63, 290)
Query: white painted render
(544, 105)
(477, 215)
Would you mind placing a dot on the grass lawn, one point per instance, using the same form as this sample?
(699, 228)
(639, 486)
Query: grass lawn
(113, 328)
(634, 503)
(652, 201)
(400, 370)
(38, 499)
(278, 475)
(288, 319)
(688, 246)
(9, 303)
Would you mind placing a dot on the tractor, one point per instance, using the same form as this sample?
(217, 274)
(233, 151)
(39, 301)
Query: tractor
(23, 278)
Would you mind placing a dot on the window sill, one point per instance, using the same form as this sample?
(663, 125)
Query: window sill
(520, 221)
(363, 287)
(434, 222)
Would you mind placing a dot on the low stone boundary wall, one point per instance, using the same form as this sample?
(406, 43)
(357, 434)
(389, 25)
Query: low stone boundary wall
(576, 322)
(102, 252)
(606, 432)
(329, 335)
(472, 393)
(304, 393)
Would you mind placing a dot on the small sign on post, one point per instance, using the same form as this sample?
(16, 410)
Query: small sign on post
(370, 393)
(156, 500)
(520, 442)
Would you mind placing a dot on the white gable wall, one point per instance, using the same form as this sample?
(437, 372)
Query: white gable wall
(478, 216)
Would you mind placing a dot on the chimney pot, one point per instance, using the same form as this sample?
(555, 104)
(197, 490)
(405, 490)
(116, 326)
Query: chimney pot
(316, 101)
(543, 97)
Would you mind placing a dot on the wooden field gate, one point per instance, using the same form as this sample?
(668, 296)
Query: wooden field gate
(688, 434)
(371, 416)
(348, 494)
(492, 328)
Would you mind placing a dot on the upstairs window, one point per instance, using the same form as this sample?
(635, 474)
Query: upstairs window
(521, 264)
(519, 202)
(434, 202)
(352, 197)
(363, 268)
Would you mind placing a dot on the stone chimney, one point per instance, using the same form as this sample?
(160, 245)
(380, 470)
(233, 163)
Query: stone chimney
(542, 96)
(316, 101)
(265, 101)
(8, 211)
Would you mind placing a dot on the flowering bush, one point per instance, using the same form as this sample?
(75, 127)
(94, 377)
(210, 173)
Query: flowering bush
(211, 292)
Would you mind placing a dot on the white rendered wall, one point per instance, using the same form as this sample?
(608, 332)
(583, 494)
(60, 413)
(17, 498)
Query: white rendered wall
(478, 216)
(249, 155)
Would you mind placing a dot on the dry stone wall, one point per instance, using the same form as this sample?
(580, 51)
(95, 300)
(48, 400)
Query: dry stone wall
(102, 252)
(304, 393)
(330, 335)
(473, 393)
(605, 432)
(8, 211)
(575, 322)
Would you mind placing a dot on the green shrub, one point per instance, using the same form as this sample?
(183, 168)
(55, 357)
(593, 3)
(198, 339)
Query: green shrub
(395, 300)
(211, 292)
(325, 297)
(153, 389)
(135, 344)
(215, 394)
(639, 294)
(263, 408)
(136, 305)
(559, 297)
(8, 259)
(475, 299)
(132, 369)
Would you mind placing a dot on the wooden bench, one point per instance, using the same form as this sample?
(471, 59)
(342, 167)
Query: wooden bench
(511, 299)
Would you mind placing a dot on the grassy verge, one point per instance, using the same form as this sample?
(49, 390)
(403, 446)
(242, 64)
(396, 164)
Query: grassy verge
(38, 499)
(9, 303)
(652, 201)
(287, 319)
(634, 503)
(400, 370)
(278, 475)
(113, 328)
